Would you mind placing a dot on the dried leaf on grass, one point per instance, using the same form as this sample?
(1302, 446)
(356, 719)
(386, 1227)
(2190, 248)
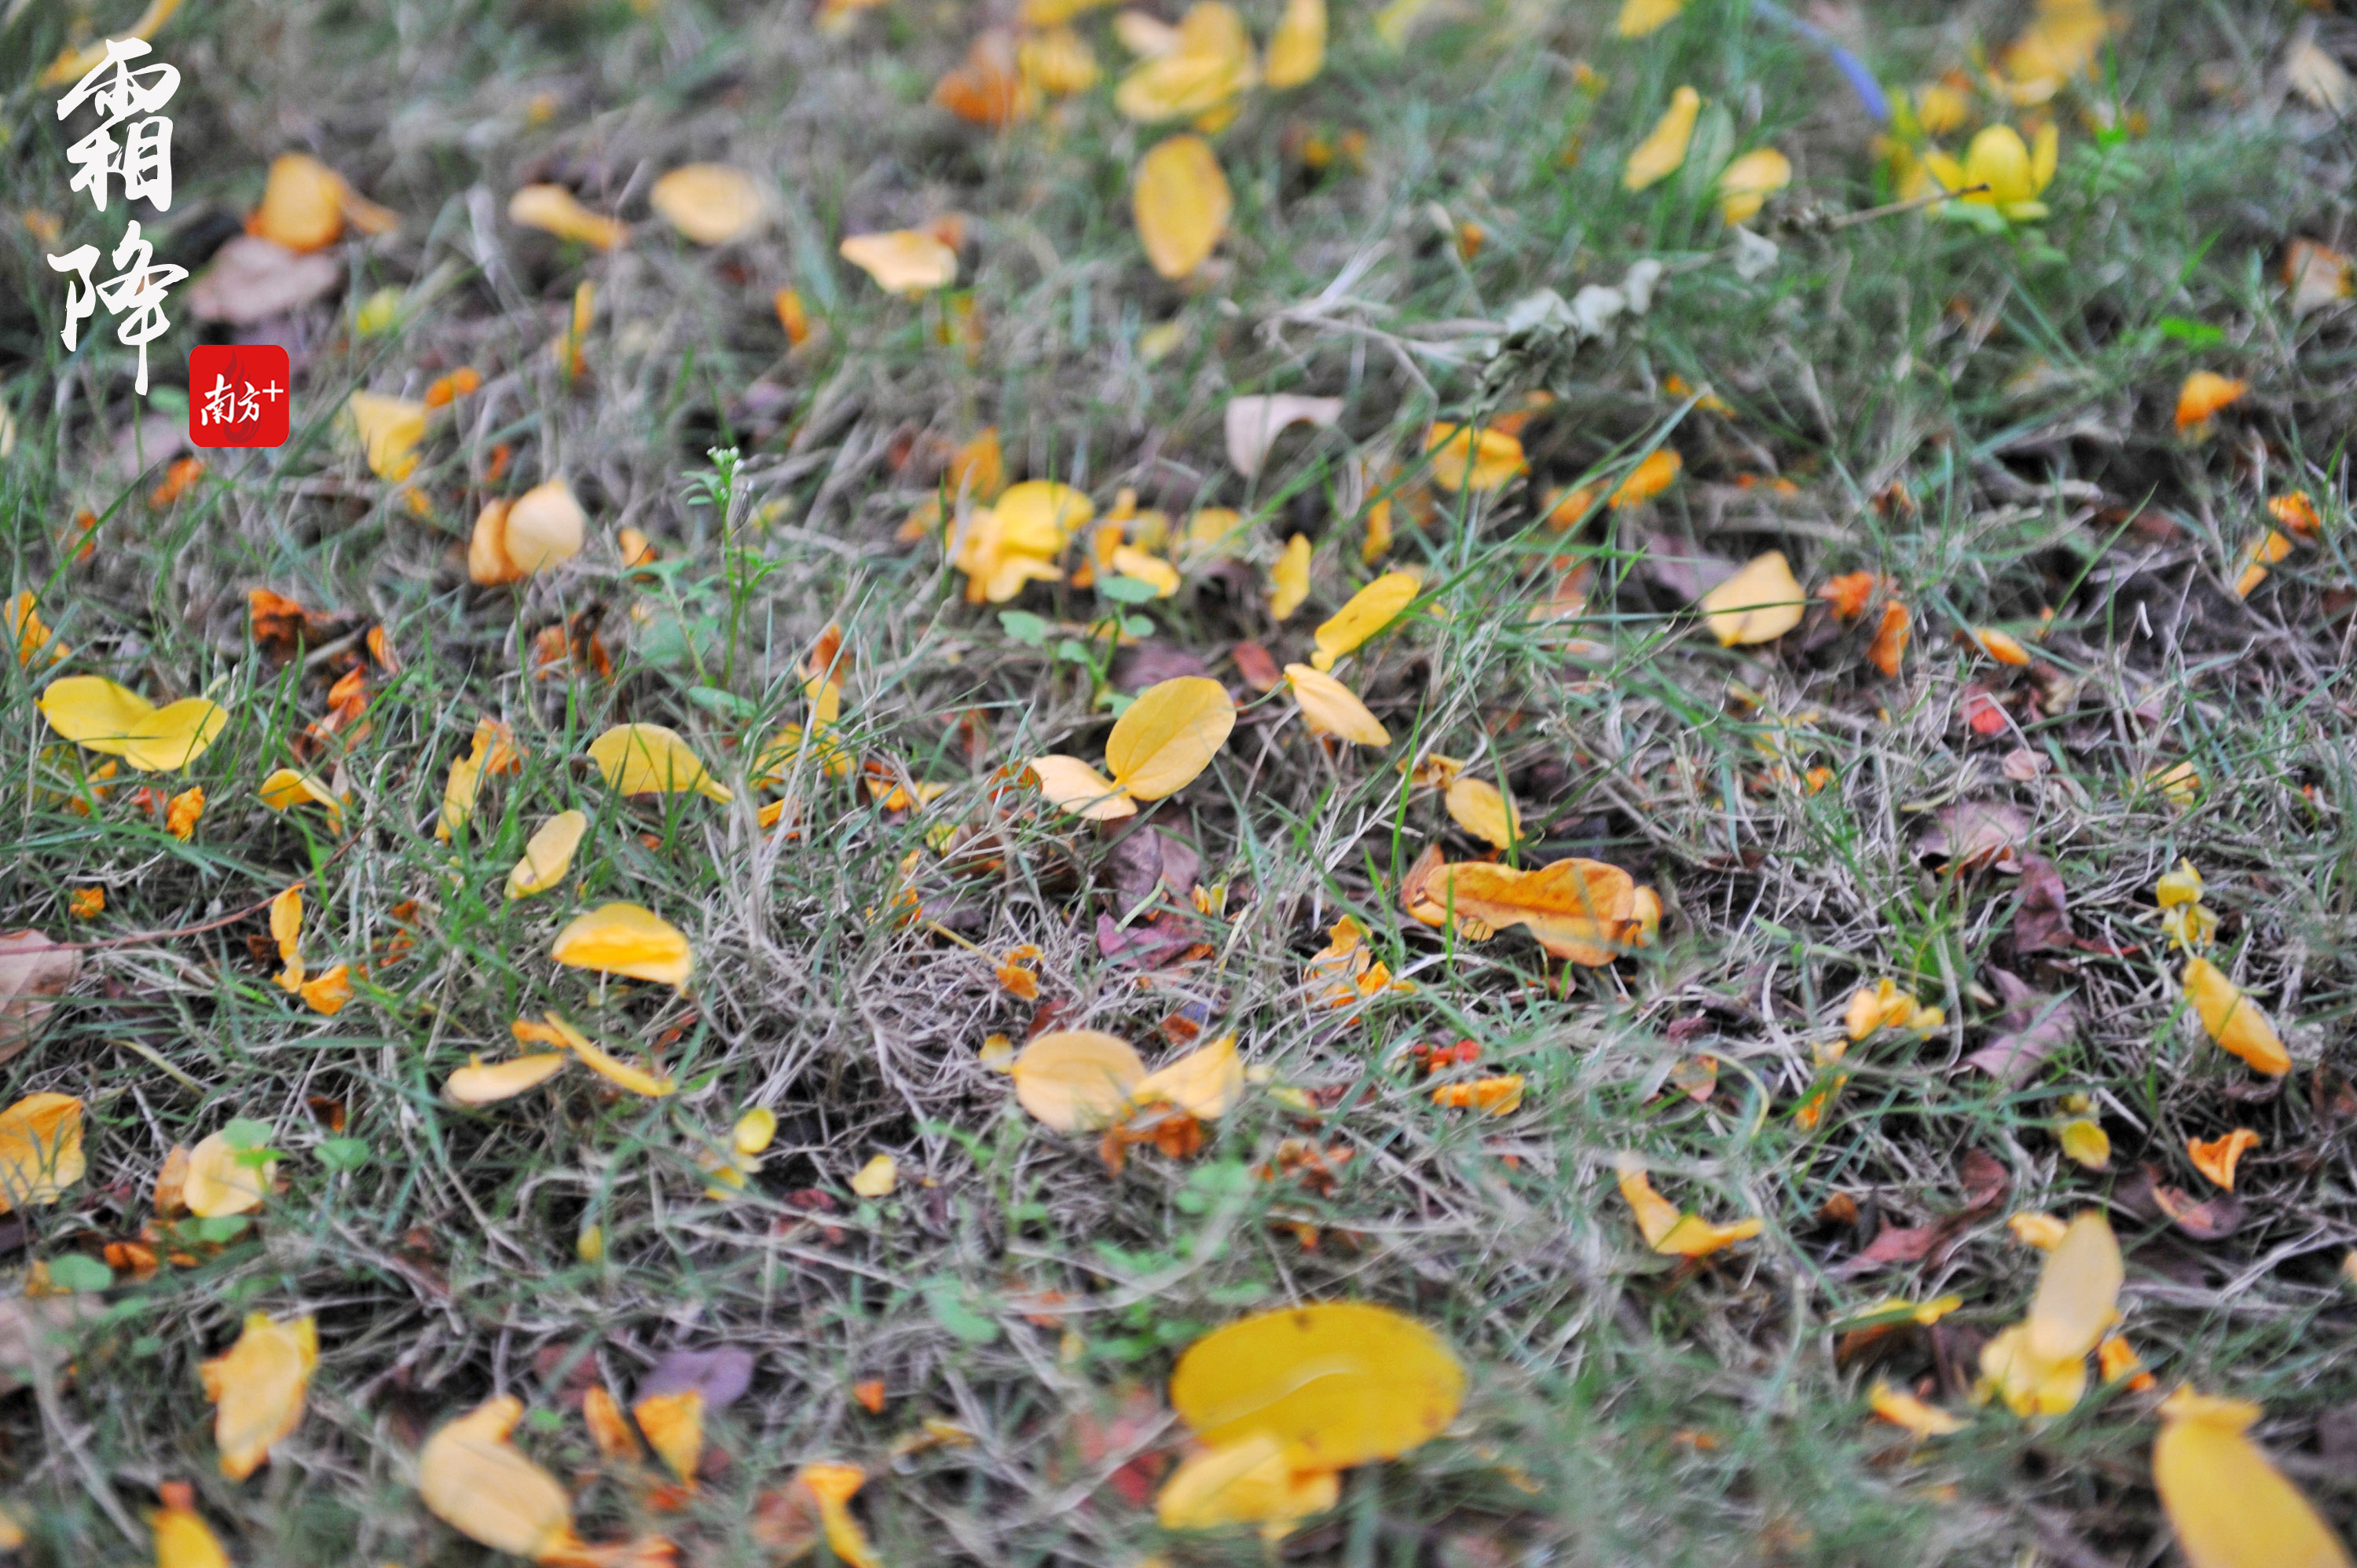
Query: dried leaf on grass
(34, 971)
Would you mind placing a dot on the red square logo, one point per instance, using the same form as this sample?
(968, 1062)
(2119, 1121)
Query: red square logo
(237, 395)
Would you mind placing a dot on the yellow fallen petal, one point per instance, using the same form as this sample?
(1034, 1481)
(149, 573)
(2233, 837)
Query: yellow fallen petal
(626, 939)
(2217, 1158)
(218, 1182)
(904, 261)
(2078, 1291)
(1297, 50)
(2238, 1024)
(1168, 735)
(1901, 1409)
(72, 64)
(40, 1150)
(833, 1486)
(1368, 611)
(553, 209)
(389, 429)
(1480, 809)
(1289, 580)
(285, 788)
(599, 1061)
(302, 204)
(1331, 708)
(1579, 910)
(2030, 1384)
(328, 992)
(1181, 84)
(1745, 185)
(1075, 1080)
(1639, 18)
(1253, 1480)
(1462, 459)
(1151, 570)
(2084, 1140)
(478, 1084)
(548, 855)
(1068, 782)
(1656, 1215)
(1758, 604)
(878, 1177)
(648, 760)
(100, 715)
(711, 204)
(183, 1540)
(1204, 1083)
(2033, 1229)
(753, 1131)
(1664, 147)
(543, 528)
(1337, 1383)
(2203, 394)
(258, 1388)
(1181, 204)
(473, 1479)
(674, 1427)
(2229, 1505)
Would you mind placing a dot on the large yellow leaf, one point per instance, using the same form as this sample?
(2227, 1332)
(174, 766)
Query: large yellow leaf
(2078, 1291)
(711, 204)
(474, 1481)
(1077, 1080)
(219, 1182)
(1205, 1083)
(2230, 1507)
(1296, 51)
(1337, 1384)
(1168, 735)
(2238, 1024)
(257, 1389)
(1758, 604)
(479, 1083)
(903, 260)
(552, 210)
(40, 1150)
(1583, 910)
(543, 528)
(1329, 707)
(648, 760)
(1068, 782)
(1289, 580)
(626, 939)
(1253, 1480)
(1369, 611)
(1182, 203)
(1665, 146)
(99, 715)
(548, 855)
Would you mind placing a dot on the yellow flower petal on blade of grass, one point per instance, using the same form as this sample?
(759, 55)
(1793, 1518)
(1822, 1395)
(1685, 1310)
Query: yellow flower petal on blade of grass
(100, 715)
(286, 925)
(1639, 18)
(21, 615)
(1331, 708)
(1072, 784)
(474, 1481)
(1076, 1081)
(2217, 1158)
(1758, 604)
(1463, 459)
(1745, 185)
(1168, 735)
(1901, 1409)
(674, 1423)
(878, 1177)
(219, 1183)
(1656, 472)
(548, 855)
(2229, 1505)
(1289, 580)
(285, 788)
(1337, 1384)
(1369, 611)
(711, 204)
(1253, 1480)
(257, 1389)
(2084, 1140)
(1181, 204)
(833, 1486)
(903, 260)
(1664, 147)
(2078, 1289)
(543, 528)
(626, 939)
(1297, 50)
(389, 429)
(648, 760)
(1205, 1083)
(72, 64)
(553, 210)
(1152, 570)
(327, 993)
(40, 1150)
(481, 1083)
(2239, 1024)
(1478, 806)
(1666, 1229)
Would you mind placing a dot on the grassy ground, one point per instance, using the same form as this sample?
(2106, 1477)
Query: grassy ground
(1986, 420)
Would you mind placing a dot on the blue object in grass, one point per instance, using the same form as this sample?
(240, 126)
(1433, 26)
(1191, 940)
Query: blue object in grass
(1870, 91)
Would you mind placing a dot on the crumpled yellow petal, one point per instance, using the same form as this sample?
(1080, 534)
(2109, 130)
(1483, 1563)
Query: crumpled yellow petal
(218, 1182)
(2229, 1505)
(40, 1150)
(1758, 604)
(1075, 1080)
(1253, 1480)
(626, 939)
(674, 1427)
(1297, 50)
(648, 760)
(553, 210)
(1582, 911)
(1664, 147)
(548, 855)
(1903, 1408)
(1368, 611)
(1336, 1384)
(474, 1481)
(258, 1387)
(2239, 1024)
(1181, 204)
(479, 1083)
(1665, 1229)
(100, 715)
(389, 429)
(1068, 782)
(711, 204)
(1205, 1083)
(1465, 459)
(833, 1486)
(904, 261)
(2030, 1384)
(1331, 708)
(1168, 735)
